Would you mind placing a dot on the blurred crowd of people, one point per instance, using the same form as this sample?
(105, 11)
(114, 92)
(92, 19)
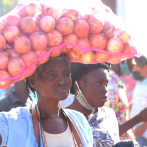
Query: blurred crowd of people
(127, 96)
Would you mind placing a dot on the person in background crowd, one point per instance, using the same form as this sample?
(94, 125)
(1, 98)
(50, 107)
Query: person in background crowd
(127, 77)
(139, 100)
(117, 99)
(123, 70)
(117, 94)
(90, 86)
(16, 96)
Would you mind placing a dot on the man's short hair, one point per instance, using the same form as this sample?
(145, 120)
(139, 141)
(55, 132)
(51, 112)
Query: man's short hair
(141, 61)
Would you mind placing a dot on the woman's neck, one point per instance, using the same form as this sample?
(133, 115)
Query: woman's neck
(52, 119)
(49, 109)
(78, 107)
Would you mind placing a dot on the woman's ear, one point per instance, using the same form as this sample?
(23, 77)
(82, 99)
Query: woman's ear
(31, 80)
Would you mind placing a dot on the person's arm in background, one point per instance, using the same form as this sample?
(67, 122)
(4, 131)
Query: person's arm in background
(139, 130)
(124, 127)
(124, 107)
(117, 99)
(123, 115)
(126, 124)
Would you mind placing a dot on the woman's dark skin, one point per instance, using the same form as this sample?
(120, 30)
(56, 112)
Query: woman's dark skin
(52, 84)
(94, 87)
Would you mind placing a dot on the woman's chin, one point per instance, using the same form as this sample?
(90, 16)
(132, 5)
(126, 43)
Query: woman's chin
(101, 104)
(62, 96)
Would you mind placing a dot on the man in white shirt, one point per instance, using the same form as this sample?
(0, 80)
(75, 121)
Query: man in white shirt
(139, 100)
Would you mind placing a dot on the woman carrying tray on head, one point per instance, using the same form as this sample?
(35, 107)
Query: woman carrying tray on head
(46, 124)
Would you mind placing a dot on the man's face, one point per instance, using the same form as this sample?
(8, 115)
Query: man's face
(137, 71)
(136, 66)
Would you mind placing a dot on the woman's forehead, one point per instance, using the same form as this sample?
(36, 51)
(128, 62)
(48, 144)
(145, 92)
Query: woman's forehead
(97, 72)
(55, 64)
